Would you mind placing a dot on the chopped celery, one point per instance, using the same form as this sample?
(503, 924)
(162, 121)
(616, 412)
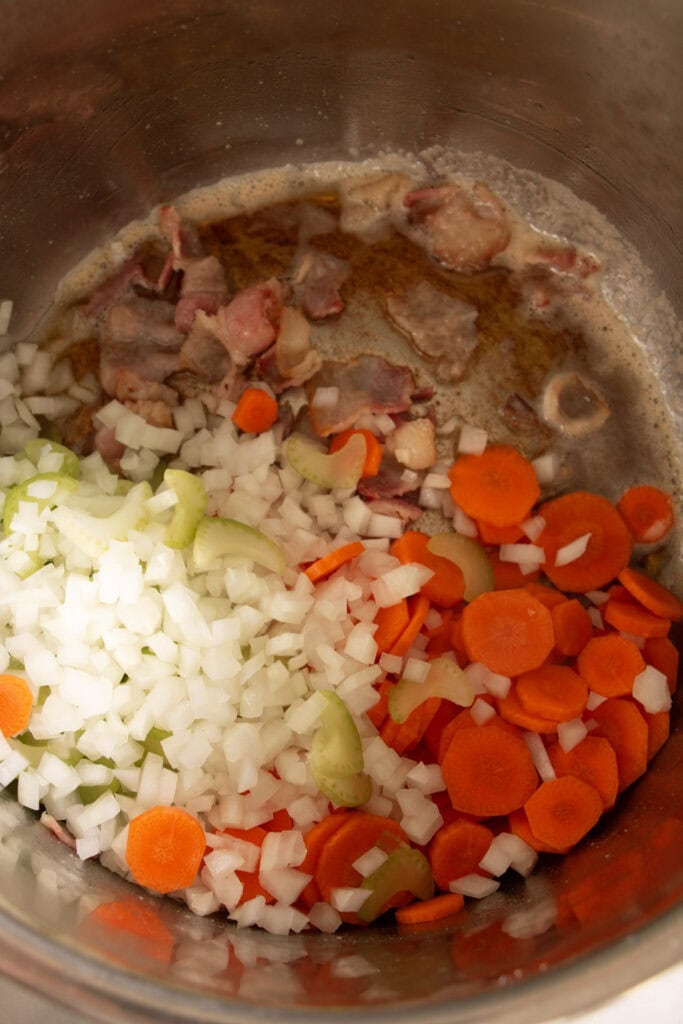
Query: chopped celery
(337, 748)
(64, 484)
(444, 679)
(153, 740)
(341, 469)
(216, 537)
(187, 514)
(93, 534)
(36, 446)
(89, 794)
(404, 870)
(470, 557)
(344, 790)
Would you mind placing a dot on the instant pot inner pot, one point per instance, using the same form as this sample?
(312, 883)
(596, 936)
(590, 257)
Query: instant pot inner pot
(106, 110)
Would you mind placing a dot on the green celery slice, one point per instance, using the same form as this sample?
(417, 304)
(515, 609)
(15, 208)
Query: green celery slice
(65, 485)
(404, 870)
(344, 790)
(470, 557)
(188, 513)
(341, 469)
(444, 679)
(336, 748)
(35, 447)
(89, 794)
(216, 536)
(94, 534)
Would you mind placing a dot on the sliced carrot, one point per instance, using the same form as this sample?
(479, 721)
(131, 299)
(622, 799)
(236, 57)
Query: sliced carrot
(662, 655)
(499, 486)
(281, 821)
(427, 911)
(251, 887)
(572, 516)
(165, 848)
(390, 622)
(145, 933)
(648, 512)
(255, 411)
(594, 761)
(405, 736)
(572, 626)
(508, 575)
(511, 710)
(610, 664)
(621, 723)
(447, 586)
(373, 455)
(563, 810)
(553, 692)
(652, 595)
(418, 608)
(440, 637)
(435, 730)
(488, 772)
(379, 711)
(16, 703)
(658, 729)
(457, 849)
(510, 631)
(463, 720)
(328, 564)
(519, 825)
(315, 840)
(631, 617)
(458, 641)
(546, 594)
(490, 534)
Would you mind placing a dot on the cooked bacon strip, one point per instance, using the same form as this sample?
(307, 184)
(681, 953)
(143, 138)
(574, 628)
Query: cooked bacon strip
(183, 237)
(318, 276)
(57, 830)
(392, 481)
(397, 507)
(439, 325)
(203, 287)
(139, 349)
(203, 355)
(249, 323)
(365, 384)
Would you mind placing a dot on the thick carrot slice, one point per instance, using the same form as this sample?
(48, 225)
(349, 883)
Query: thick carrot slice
(519, 825)
(255, 411)
(427, 911)
(440, 637)
(464, 720)
(658, 729)
(315, 840)
(511, 710)
(609, 546)
(609, 664)
(488, 772)
(552, 691)
(328, 564)
(621, 723)
(418, 608)
(447, 586)
(281, 821)
(662, 655)
(498, 486)
(546, 594)
(572, 627)
(631, 617)
(594, 761)
(379, 711)
(405, 736)
(457, 849)
(165, 848)
(563, 810)
(373, 455)
(16, 702)
(648, 512)
(390, 622)
(510, 631)
(435, 730)
(490, 534)
(652, 595)
(458, 641)
(508, 575)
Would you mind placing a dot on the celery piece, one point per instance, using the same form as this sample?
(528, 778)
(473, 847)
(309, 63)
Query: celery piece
(89, 794)
(188, 513)
(444, 679)
(470, 557)
(344, 790)
(336, 748)
(153, 740)
(216, 536)
(93, 534)
(341, 469)
(35, 447)
(65, 484)
(404, 870)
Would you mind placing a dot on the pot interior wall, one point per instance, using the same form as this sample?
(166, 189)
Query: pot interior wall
(128, 105)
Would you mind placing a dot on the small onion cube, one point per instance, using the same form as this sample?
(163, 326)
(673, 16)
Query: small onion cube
(348, 900)
(472, 440)
(475, 886)
(570, 734)
(570, 552)
(651, 689)
(539, 755)
(370, 861)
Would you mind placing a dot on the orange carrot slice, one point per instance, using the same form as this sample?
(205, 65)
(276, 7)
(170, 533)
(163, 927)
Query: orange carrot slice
(648, 512)
(328, 564)
(165, 848)
(510, 631)
(563, 810)
(16, 703)
(488, 772)
(499, 486)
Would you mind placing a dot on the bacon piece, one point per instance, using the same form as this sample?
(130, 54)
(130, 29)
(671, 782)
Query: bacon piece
(139, 349)
(439, 325)
(249, 323)
(183, 237)
(109, 448)
(203, 287)
(398, 507)
(392, 481)
(318, 276)
(57, 830)
(463, 227)
(370, 206)
(365, 384)
(203, 355)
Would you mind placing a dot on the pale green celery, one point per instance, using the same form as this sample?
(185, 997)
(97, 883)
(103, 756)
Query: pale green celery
(89, 794)
(344, 790)
(188, 512)
(469, 555)
(216, 537)
(341, 469)
(20, 492)
(35, 447)
(444, 679)
(336, 756)
(93, 534)
(404, 870)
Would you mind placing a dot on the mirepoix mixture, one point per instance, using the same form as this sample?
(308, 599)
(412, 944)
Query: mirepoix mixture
(317, 600)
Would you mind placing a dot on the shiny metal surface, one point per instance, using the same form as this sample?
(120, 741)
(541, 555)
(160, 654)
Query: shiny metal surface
(108, 109)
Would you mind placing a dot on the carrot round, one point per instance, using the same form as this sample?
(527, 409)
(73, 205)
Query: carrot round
(510, 631)
(545, 594)
(519, 825)
(314, 841)
(16, 703)
(609, 547)
(622, 725)
(631, 617)
(610, 664)
(447, 586)
(512, 711)
(658, 729)
(572, 627)
(404, 736)
(328, 564)
(652, 595)
(427, 911)
(552, 691)
(373, 456)
(594, 761)
(488, 772)
(563, 810)
(418, 607)
(165, 848)
(457, 849)
(662, 654)
(648, 512)
(490, 534)
(255, 411)
(499, 486)
(390, 622)
(508, 575)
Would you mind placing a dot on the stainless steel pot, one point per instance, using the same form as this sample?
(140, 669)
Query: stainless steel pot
(107, 109)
